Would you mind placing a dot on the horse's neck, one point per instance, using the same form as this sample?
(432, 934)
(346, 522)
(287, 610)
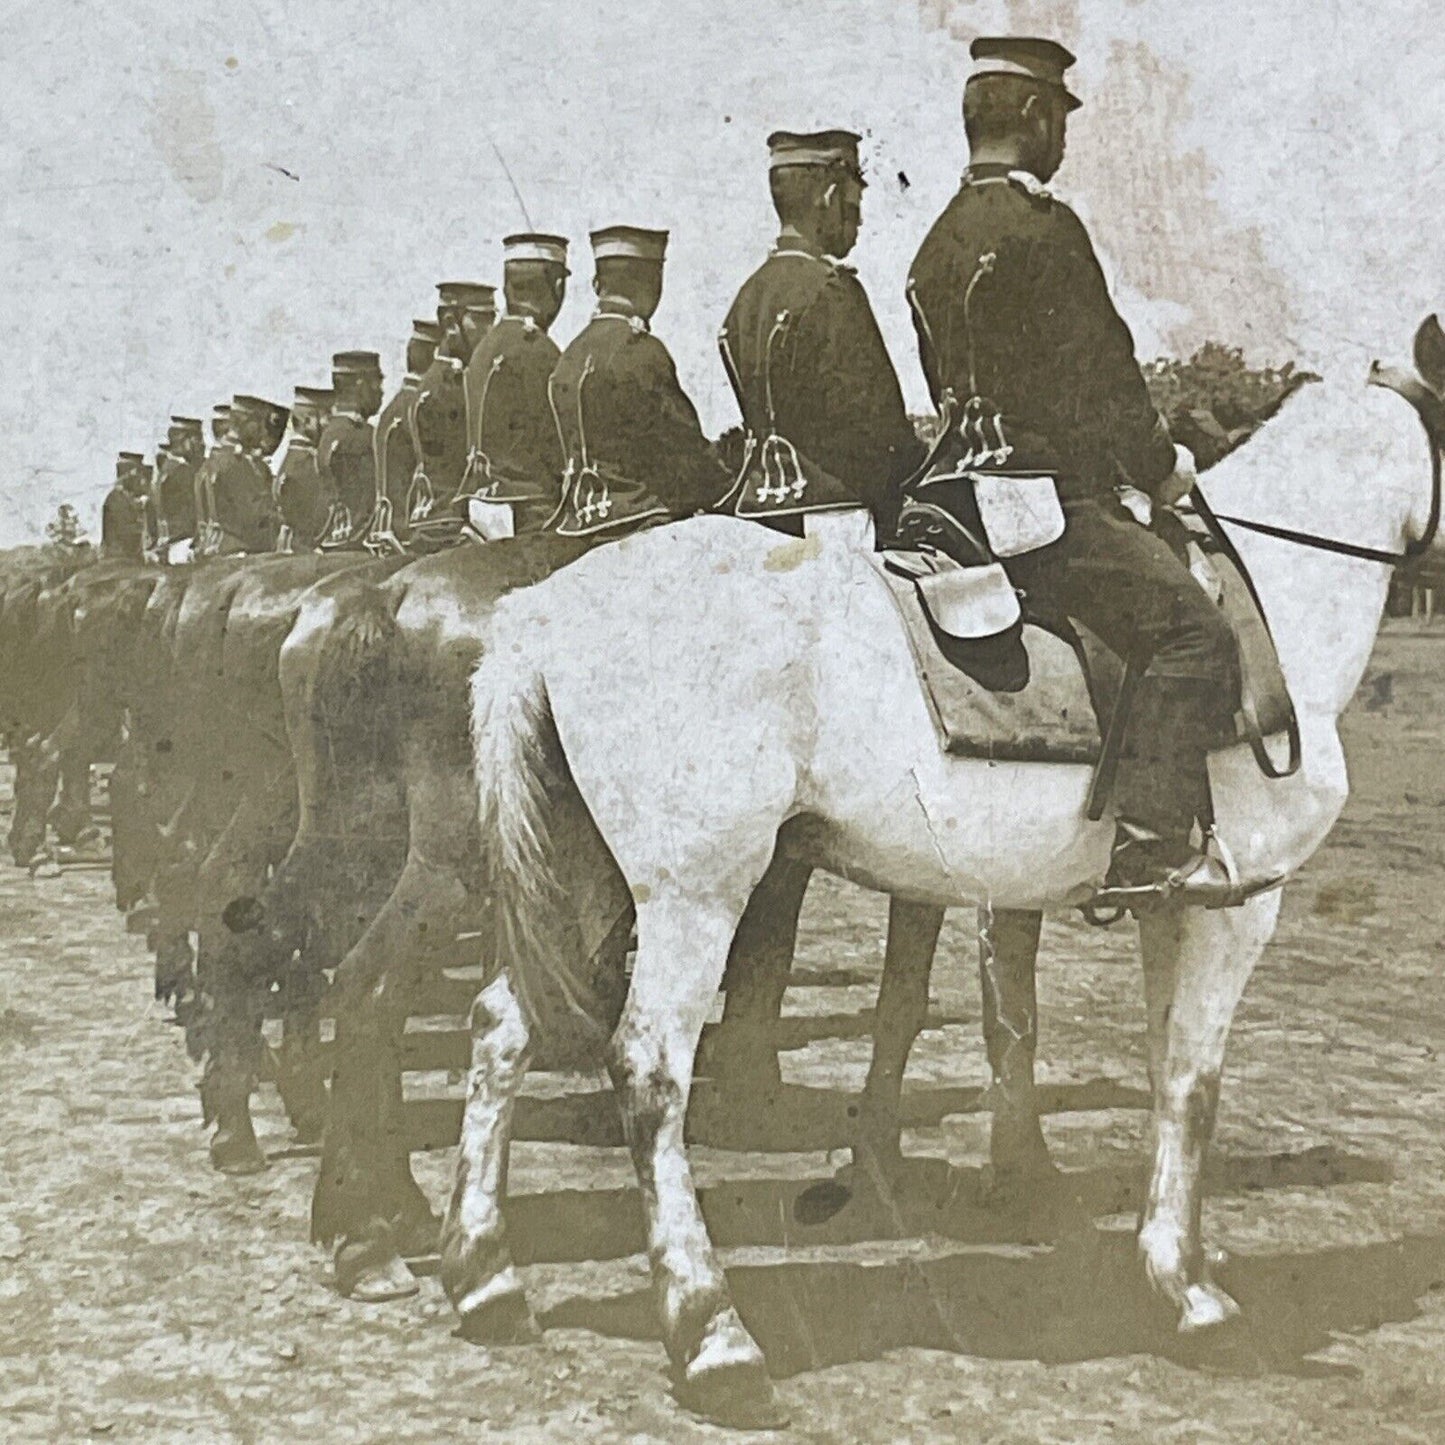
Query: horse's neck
(1342, 463)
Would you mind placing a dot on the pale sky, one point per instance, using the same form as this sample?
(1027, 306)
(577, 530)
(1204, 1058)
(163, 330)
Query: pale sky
(205, 199)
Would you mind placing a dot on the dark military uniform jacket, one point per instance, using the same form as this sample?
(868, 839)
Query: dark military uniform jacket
(300, 498)
(175, 497)
(236, 493)
(396, 454)
(346, 463)
(1051, 353)
(123, 525)
(516, 454)
(809, 364)
(635, 450)
(439, 433)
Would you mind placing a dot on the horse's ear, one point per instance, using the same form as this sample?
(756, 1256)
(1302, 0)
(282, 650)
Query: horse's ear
(1430, 354)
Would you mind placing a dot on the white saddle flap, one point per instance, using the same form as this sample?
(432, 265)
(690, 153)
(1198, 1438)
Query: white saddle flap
(1019, 513)
(851, 528)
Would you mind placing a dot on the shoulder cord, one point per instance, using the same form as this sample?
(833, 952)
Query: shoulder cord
(381, 535)
(477, 459)
(561, 506)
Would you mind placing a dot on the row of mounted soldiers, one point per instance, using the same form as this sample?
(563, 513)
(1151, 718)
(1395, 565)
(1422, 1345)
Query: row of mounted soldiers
(495, 431)
(491, 427)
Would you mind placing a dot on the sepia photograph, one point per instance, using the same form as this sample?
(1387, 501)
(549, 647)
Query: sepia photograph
(722, 721)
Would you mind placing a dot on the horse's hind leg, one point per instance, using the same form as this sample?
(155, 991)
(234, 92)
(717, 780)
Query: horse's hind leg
(901, 1012)
(1196, 965)
(476, 1266)
(1008, 947)
(682, 947)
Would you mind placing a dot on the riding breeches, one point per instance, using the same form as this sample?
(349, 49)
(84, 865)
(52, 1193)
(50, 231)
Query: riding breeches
(1125, 585)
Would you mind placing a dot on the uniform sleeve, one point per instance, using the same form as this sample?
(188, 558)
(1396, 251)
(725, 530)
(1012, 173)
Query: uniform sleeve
(877, 448)
(1107, 395)
(933, 287)
(675, 432)
(325, 464)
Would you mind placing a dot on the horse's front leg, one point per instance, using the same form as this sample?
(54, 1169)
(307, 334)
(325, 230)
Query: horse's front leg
(742, 1056)
(682, 947)
(1210, 956)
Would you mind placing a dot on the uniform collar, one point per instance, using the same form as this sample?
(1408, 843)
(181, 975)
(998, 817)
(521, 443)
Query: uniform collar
(619, 308)
(349, 414)
(525, 320)
(999, 171)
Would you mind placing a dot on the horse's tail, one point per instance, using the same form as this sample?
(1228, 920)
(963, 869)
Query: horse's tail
(538, 840)
(353, 668)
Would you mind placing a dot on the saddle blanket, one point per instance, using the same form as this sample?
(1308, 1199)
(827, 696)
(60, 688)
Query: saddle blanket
(1056, 716)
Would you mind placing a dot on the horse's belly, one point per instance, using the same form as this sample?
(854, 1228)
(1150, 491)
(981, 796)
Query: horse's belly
(968, 831)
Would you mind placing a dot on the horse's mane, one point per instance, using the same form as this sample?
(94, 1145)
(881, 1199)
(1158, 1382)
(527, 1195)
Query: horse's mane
(1297, 382)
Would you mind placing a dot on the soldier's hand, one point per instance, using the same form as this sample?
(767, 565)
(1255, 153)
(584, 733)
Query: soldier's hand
(1137, 504)
(1180, 482)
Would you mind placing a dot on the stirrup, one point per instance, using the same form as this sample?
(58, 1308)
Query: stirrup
(1210, 880)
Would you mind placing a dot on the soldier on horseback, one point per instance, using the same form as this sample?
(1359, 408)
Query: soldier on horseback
(234, 485)
(634, 447)
(1011, 306)
(466, 311)
(124, 533)
(299, 496)
(174, 492)
(820, 399)
(514, 469)
(396, 455)
(345, 455)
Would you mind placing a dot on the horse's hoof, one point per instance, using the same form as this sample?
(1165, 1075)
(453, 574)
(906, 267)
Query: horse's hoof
(504, 1319)
(416, 1234)
(141, 917)
(727, 1382)
(308, 1128)
(372, 1272)
(1206, 1306)
(236, 1154)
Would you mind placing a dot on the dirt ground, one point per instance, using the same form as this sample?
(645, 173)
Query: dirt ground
(143, 1297)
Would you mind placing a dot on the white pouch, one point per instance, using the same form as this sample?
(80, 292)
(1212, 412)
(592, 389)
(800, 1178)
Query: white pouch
(970, 602)
(490, 520)
(1019, 513)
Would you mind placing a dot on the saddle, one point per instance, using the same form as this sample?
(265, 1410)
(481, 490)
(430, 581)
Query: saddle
(1045, 689)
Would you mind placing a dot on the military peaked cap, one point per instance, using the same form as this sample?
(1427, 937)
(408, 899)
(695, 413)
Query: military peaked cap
(271, 412)
(317, 396)
(466, 293)
(186, 423)
(633, 242)
(827, 148)
(535, 246)
(426, 331)
(1026, 57)
(356, 363)
(128, 462)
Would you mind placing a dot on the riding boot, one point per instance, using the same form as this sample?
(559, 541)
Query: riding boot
(1162, 793)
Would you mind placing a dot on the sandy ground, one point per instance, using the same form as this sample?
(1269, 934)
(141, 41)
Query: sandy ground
(143, 1297)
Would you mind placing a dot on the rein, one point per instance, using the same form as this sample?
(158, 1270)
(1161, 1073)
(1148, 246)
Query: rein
(1412, 552)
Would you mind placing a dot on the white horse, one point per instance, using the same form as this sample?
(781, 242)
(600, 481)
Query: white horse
(700, 685)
